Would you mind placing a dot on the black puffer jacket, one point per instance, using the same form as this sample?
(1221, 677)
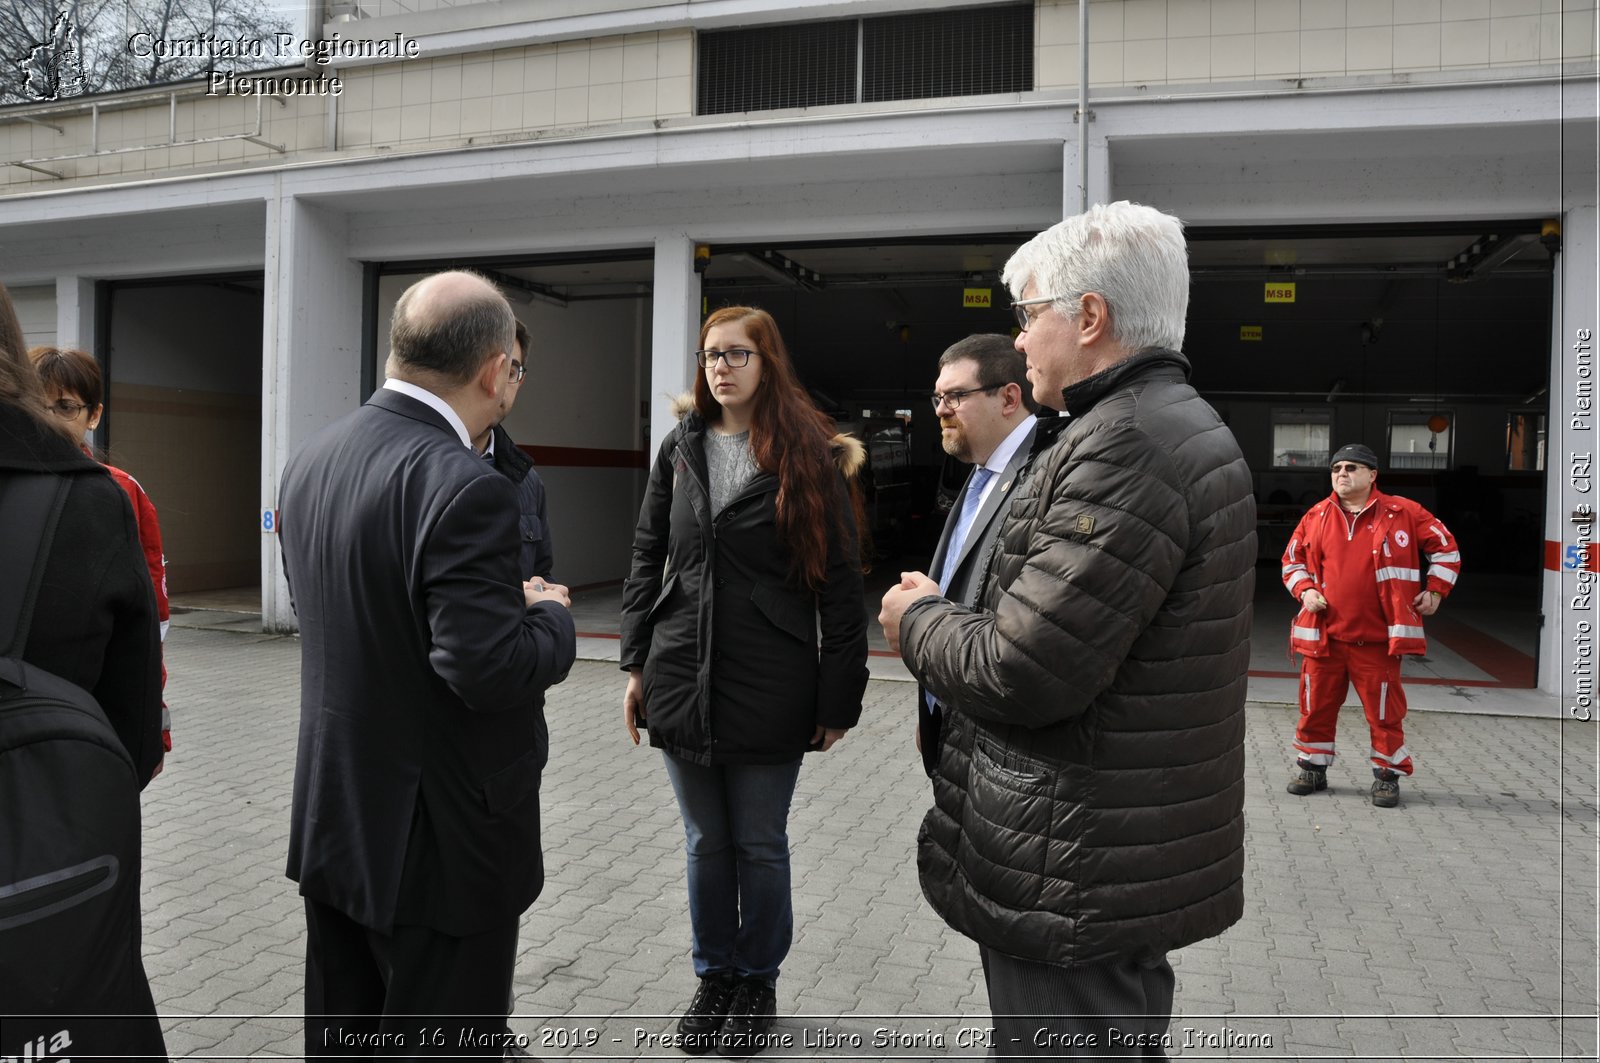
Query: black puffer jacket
(1089, 795)
(733, 669)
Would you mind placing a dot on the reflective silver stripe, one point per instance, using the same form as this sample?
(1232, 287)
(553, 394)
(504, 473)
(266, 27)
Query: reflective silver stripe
(1298, 576)
(1439, 559)
(1401, 755)
(1446, 574)
(1404, 631)
(1444, 540)
(1310, 634)
(1318, 753)
(1399, 573)
(1383, 698)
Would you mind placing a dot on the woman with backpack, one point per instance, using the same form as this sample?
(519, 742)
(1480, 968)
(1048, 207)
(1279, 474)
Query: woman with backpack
(80, 735)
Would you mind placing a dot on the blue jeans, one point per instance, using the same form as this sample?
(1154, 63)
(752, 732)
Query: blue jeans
(736, 819)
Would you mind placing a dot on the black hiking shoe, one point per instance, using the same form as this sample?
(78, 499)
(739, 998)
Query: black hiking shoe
(1386, 790)
(1304, 780)
(708, 1011)
(751, 1014)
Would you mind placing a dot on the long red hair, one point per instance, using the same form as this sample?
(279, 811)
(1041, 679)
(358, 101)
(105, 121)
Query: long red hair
(790, 438)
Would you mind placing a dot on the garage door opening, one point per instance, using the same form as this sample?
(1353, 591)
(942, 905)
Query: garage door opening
(182, 360)
(1428, 342)
(578, 412)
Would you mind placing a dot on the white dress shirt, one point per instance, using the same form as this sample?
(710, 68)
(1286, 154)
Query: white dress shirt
(1003, 453)
(428, 398)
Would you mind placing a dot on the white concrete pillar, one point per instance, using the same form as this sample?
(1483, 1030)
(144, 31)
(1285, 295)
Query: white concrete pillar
(1072, 177)
(674, 328)
(311, 359)
(1569, 651)
(75, 311)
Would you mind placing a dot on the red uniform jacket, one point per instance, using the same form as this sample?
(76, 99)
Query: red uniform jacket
(1403, 535)
(144, 519)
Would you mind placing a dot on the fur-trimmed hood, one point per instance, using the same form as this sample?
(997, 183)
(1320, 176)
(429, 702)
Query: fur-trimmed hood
(849, 453)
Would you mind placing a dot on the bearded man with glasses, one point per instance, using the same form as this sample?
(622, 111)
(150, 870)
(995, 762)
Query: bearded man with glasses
(1355, 565)
(992, 427)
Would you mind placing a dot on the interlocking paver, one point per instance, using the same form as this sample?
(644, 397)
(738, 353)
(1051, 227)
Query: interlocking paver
(1366, 932)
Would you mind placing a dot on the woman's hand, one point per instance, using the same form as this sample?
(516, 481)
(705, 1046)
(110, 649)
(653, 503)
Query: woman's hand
(633, 704)
(825, 737)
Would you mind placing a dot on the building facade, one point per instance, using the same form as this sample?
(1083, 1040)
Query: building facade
(1415, 179)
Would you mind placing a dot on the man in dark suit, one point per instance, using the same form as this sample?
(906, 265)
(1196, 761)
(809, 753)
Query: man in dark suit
(495, 444)
(424, 658)
(986, 418)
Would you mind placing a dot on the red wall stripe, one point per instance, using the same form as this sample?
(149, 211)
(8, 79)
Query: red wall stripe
(1553, 552)
(585, 457)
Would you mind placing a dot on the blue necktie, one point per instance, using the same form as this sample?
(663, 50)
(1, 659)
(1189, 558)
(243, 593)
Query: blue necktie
(958, 537)
(969, 511)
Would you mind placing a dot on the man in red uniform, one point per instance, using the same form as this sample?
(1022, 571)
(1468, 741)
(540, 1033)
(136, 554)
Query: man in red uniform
(1355, 564)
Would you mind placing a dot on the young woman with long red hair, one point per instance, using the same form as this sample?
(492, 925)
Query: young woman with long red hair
(747, 545)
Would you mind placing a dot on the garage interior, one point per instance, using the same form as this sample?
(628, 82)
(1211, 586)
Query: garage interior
(182, 362)
(1430, 342)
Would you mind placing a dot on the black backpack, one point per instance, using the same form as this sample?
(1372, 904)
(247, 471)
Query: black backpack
(72, 981)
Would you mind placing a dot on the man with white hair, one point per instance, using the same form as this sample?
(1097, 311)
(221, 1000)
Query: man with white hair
(1088, 813)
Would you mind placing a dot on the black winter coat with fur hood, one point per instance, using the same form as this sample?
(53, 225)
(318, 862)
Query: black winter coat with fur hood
(734, 668)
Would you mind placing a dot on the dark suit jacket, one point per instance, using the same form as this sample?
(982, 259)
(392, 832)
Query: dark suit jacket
(538, 550)
(422, 731)
(964, 581)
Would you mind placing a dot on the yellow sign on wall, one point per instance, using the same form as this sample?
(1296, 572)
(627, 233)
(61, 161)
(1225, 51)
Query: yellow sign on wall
(1250, 332)
(1280, 291)
(977, 298)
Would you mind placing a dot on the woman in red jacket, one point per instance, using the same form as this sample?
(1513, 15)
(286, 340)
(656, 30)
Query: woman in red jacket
(75, 390)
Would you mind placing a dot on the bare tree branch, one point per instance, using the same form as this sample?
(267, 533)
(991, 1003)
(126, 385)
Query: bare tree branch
(94, 39)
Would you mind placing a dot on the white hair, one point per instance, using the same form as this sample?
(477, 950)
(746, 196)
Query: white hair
(1134, 256)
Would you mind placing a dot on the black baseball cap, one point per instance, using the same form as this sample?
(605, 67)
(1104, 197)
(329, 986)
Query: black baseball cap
(1359, 453)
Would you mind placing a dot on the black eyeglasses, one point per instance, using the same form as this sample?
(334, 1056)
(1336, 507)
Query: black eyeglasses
(518, 371)
(1345, 466)
(737, 358)
(953, 399)
(68, 408)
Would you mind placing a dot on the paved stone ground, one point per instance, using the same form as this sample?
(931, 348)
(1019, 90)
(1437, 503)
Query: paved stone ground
(1460, 926)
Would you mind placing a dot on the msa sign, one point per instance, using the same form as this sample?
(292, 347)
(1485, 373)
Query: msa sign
(1280, 292)
(976, 298)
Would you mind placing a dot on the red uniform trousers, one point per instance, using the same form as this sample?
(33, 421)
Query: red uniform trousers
(1324, 681)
